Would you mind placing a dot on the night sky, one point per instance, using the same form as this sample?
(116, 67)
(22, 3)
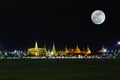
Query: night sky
(64, 22)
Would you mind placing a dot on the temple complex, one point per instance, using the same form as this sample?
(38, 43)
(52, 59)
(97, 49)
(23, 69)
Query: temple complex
(36, 51)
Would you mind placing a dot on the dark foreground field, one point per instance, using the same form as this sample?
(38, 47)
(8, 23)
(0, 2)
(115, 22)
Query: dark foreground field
(60, 69)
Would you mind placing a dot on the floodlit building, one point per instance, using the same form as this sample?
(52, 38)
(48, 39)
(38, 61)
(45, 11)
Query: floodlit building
(103, 50)
(67, 51)
(75, 51)
(36, 51)
(87, 51)
(72, 50)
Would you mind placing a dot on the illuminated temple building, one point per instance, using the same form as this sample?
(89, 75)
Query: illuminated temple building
(103, 50)
(67, 51)
(75, 51)
(36, 51)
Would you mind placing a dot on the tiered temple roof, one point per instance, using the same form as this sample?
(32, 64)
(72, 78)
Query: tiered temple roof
(77, 50)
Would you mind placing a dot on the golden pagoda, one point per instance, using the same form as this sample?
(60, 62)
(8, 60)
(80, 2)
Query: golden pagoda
(102, 50)
(66, 50)
(53, 52)
(77, 49)
(35, 51)
(88, 51)
(45, 50)
(72, 51)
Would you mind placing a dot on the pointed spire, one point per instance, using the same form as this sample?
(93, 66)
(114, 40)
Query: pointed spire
(103, 48)
(77, 50)
(53, 49)
(66, 50)
(88, 50)
(65, 47)
(48, 52)
(45, 50)
(88, 47)
(36, 45)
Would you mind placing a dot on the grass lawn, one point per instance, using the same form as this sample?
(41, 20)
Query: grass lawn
(60, 69)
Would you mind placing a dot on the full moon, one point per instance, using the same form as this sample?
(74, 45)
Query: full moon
(98, 17)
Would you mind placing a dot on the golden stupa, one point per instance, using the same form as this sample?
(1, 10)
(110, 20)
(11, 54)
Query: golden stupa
(88, 51)
(53, 52)
(36, 51)
(102, 50)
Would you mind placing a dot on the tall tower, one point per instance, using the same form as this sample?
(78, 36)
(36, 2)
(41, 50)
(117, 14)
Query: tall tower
(88, 50)
(102, 50)
(77, 49)
(45, 50)
(54, 50)
(36, 45)
(66, 50)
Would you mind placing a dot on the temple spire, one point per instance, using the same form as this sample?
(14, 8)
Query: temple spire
(66, 49)
(77, 49)
(54, 50)
(36, 45)
(88, 50)
(45, 49)
(103, 48)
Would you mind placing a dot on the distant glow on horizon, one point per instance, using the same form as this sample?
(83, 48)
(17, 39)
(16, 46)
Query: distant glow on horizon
(105, 50)
(118, 43)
